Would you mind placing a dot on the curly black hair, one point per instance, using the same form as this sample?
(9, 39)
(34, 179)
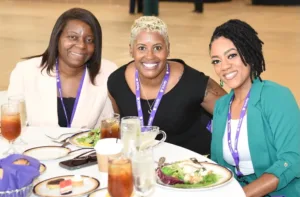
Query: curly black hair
(248, 44)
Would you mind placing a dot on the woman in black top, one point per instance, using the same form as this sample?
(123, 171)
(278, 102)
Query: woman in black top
(175, 95)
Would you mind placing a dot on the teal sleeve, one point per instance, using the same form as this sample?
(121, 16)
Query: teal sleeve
(283, 115)
(213, 141)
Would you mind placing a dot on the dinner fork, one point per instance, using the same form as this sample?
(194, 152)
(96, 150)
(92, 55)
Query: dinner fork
(56, 138)
(62, 141)
(193, 159)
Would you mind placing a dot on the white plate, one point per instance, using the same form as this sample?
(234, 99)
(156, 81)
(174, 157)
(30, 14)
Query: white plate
(89, 185)
(226, 177)
(73, 140)
(43, 168)
(44, 153)
(99, 193)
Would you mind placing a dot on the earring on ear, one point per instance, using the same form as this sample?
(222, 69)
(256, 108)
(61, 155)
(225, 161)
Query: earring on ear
(221, 83)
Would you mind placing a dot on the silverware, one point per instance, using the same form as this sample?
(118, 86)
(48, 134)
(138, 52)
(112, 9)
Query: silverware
(56, 138)
(65, 143)
(193, 159)
(80, 149)
(161, 161)
(61, 141)
(67, 138)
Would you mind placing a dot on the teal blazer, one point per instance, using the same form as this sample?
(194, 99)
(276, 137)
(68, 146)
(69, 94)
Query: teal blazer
(273, 118)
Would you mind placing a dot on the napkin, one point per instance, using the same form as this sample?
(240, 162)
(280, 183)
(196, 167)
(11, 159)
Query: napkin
(16, 176)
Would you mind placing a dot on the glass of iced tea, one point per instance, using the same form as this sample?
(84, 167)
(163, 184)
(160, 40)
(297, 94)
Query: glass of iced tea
(10, 124)
(20, 100)
(110, 126)
(120, 179)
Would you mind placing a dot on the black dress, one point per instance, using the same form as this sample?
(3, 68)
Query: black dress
(69, 103)
(179, 114)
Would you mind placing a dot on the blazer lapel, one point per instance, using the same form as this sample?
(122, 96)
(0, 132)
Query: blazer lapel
(219, 126)
(256, 136)
(48, 98)
(88, 104)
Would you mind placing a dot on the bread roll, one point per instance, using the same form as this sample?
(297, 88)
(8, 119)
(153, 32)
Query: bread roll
(21, 162)
(1, 173)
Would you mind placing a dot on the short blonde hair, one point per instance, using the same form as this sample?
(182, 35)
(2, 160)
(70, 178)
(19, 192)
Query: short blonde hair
(149, 24)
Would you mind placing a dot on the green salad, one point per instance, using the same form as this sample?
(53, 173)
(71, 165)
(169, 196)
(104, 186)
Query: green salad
(188, 175)
(90, 139)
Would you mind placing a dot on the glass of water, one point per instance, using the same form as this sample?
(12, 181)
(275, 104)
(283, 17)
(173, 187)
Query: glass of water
(143, 170)
(130, 132)
(20, 101)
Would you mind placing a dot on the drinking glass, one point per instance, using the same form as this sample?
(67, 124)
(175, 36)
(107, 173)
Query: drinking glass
(10, 125)
(130, 131)
(120, 180)
(148, 136)
(110, 126)
(143, 170)
(20, 100)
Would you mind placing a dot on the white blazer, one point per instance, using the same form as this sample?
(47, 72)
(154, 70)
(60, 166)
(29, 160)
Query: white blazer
(40, 92)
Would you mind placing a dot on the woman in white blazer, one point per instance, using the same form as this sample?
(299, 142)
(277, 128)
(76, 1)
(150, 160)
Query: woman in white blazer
(66, 85)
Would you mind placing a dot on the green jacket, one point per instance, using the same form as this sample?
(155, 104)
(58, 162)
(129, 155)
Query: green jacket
(273, 118)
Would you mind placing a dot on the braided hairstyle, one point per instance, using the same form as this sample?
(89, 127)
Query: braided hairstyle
(248, 44)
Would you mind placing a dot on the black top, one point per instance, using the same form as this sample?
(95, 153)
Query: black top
(179, 114)
(69, 103)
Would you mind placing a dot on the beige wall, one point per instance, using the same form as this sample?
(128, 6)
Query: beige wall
(25, 27)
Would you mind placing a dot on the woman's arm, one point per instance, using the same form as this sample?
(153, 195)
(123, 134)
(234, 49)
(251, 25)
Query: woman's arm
(212, 93)
(16, 81)
(114, 104)
(281, 111)
(265, 184)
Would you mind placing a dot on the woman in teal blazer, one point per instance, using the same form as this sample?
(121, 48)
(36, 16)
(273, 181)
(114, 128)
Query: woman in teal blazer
(256, 127)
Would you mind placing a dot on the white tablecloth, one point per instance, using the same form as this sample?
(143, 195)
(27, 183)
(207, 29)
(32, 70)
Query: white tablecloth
(36, 137)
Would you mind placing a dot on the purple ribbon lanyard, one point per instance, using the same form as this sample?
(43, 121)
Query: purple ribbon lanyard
(157, 100)
(234, 152)
(58, 83)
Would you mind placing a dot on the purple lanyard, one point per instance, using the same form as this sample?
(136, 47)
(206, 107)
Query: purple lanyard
(234, 152)
(58, 83)
(157, 100)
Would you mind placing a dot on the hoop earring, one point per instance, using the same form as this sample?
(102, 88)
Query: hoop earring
(221, 83)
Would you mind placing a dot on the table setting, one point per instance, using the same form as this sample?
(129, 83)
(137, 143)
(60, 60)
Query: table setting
(122, 159)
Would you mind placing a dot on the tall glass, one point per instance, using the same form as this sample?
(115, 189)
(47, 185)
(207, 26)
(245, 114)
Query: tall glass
(143, 169)
(120, 180)
(10, 124)
(20, 100)
(130, 132)
(110, 126)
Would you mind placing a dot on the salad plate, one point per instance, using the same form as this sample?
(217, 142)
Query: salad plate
(86, 139)
(191, 175)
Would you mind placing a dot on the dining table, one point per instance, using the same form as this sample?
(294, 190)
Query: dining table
(37, 136)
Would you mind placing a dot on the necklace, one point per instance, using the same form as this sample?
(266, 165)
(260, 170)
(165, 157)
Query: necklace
(150, 106)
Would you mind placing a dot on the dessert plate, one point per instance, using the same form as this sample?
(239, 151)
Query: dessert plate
(88, 185)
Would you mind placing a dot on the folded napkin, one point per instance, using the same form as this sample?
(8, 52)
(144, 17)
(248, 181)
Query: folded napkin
(17, 176)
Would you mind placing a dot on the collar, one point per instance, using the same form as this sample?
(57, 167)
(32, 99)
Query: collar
(255, 95)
